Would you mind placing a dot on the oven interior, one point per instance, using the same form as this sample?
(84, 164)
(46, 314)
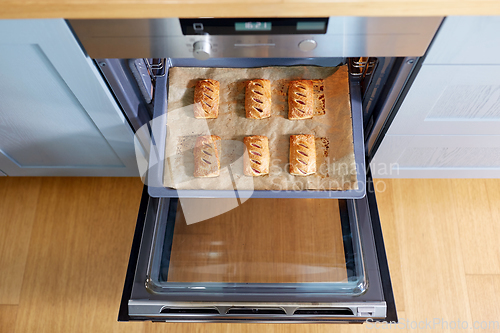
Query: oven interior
(159, 133)
(270, 258)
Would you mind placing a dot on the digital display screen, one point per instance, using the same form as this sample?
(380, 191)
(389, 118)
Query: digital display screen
(252, 26)
(318, 25)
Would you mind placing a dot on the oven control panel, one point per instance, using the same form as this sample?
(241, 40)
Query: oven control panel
(262, 31)
(204, 38)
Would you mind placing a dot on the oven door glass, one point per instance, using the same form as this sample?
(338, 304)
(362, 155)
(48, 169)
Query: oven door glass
(271, 246)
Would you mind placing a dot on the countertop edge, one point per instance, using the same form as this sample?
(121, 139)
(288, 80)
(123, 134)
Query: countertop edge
(61, 9)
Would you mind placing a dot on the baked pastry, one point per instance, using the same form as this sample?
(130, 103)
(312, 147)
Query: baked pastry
(300, 99)
(258, 99)
(256, 157)
(206, 99)
(207, 156)
(302, 155)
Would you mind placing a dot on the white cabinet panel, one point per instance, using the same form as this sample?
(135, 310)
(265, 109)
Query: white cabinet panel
(451, 100)
(448, 125)
(467, 40)
(57, 116)
(445, 156)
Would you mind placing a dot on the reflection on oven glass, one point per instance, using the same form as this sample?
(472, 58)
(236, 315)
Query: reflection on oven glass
(262, 241)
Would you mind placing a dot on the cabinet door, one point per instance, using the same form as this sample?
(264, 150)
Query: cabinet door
(451, 100)
(57, 116)
(448, 125)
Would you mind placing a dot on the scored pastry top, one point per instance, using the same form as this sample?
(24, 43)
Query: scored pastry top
(207, 156)
(302, 155)
(256, 157)
(258, 99)
(206, 99)
(300, 99)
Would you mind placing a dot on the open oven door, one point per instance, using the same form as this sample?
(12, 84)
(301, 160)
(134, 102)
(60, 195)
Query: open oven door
(330, 268)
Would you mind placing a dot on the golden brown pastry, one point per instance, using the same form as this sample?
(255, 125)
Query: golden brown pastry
(300, 99)
(302, 155)
(256, 157)
(206, 156)
(206, 99)
(258, 99)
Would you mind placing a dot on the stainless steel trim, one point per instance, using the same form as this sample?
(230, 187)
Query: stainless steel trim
(152, 309)
(142, 74)
(156, 67)
(401, 78)
(345, 37)
(256, 45)
(125, 87)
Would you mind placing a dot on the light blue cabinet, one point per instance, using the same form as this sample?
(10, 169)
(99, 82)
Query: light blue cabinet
(57, 116)
(448, 125)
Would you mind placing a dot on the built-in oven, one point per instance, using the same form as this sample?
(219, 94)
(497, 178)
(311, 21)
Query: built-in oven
(267, 255)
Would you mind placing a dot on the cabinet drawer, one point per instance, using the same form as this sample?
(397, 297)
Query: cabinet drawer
(266, 260)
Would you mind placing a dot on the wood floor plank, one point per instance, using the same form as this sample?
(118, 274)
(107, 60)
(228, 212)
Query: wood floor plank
(477, 219)
(115, 218)
(484, 293)
(430, 250)
(18, 197)
(78, 255)
(8, 316)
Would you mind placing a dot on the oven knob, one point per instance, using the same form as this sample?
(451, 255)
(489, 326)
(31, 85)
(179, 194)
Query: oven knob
(201, 50)
(307, 45)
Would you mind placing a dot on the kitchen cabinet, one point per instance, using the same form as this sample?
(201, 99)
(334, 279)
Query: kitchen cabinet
(57, 115)
(448, 123)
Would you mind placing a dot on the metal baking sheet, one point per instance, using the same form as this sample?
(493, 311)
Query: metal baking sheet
(159, 129)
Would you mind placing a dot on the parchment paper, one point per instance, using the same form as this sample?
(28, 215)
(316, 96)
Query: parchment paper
(331, 125)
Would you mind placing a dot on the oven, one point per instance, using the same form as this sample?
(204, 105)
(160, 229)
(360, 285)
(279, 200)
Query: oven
(267, 255)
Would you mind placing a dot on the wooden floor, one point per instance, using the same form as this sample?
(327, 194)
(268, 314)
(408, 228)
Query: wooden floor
(64, 247)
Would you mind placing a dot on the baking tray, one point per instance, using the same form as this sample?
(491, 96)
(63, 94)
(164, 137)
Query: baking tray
(158, 129)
